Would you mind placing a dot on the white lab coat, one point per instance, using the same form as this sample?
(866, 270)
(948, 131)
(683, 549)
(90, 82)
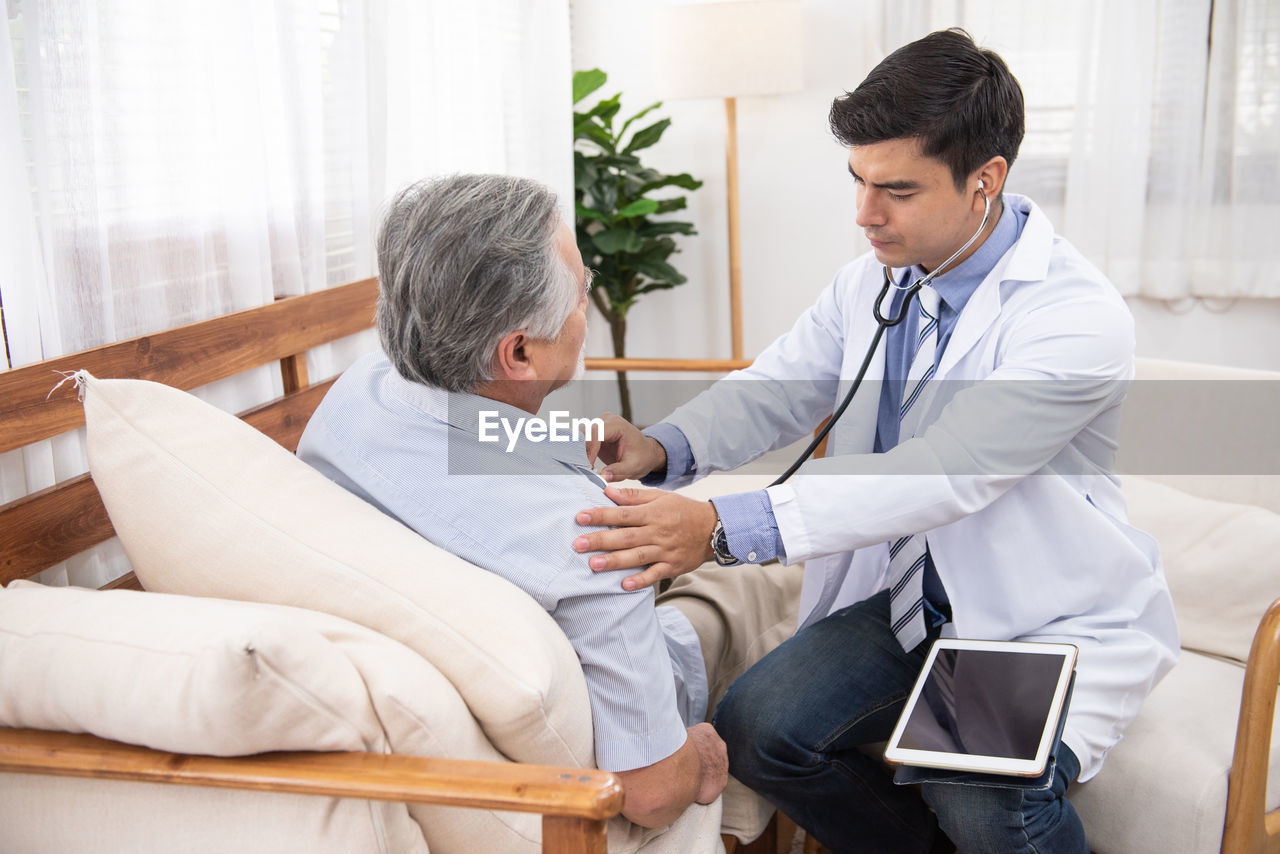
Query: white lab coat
(1009, 473)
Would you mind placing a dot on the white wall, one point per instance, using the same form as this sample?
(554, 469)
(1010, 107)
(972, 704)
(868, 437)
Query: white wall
(797, 200)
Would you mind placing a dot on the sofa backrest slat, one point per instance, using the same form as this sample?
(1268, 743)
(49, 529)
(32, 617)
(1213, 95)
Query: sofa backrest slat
(285, 418)
(50, 526)
(186, 357)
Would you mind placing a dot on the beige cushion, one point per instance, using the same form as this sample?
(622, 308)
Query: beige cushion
(1222, 562)
(1163, 788)
(206, 505)
(188, 675)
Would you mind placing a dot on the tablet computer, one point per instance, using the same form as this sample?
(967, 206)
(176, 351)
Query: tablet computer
(985, 706)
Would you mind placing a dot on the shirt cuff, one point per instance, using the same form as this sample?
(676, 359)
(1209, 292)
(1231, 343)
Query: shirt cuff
(749, 526)
(679, 454)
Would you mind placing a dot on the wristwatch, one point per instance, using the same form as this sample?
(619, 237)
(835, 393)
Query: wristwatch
(720, 546)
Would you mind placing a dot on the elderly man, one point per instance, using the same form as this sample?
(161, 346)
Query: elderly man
(482, 313)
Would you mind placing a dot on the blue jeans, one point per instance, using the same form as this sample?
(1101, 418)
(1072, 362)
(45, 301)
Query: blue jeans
(794, 724)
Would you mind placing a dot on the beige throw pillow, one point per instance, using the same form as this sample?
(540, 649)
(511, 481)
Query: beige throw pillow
(206, 505)
(1220, 560)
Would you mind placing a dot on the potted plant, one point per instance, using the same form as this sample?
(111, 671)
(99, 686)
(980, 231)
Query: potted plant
(615, 209)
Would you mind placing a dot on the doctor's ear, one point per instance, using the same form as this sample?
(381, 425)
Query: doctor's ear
(991, 176)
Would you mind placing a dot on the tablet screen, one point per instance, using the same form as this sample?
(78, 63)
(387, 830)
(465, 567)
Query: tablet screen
(984, 706)
(983, 702)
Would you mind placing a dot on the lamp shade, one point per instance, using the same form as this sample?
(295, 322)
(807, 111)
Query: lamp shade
(728, 49)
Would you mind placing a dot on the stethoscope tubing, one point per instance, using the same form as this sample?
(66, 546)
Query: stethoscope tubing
(883, 323)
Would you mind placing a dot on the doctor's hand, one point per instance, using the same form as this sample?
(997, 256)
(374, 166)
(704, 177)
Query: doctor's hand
(668, 532)
(626, 452)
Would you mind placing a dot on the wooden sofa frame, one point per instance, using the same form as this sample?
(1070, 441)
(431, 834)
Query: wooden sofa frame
(52, 525)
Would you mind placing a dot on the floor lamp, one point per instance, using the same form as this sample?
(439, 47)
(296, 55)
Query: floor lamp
(729, 50)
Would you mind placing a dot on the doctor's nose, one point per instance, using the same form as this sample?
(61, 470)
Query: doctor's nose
(870, 210)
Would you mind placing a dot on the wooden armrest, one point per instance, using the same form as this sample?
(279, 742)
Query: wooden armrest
(575, 802)
(1249, 828)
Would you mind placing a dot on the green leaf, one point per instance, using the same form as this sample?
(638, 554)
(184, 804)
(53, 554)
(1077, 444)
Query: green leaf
(679, 203)
(658, 286)
(660, 247)
(684, 180)
(604, 195)
(653, 229)
(585, 212)
(646, 137)
(640, 207)
(584, 171)
(607, 109)
(582, 121)
(659, 271)
(644, 174)
(586, 82)
(639, 115)
(622, 162)
(594, 133)
(604, 110)
(614, 240)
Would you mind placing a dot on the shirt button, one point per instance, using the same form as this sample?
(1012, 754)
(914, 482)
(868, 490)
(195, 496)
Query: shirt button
(751, 556)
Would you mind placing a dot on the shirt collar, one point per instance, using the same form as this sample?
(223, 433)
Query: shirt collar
(461, 411)
(956, 285)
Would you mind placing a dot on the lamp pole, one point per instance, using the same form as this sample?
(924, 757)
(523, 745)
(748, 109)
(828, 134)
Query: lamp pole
(735, 250)
(729, 50)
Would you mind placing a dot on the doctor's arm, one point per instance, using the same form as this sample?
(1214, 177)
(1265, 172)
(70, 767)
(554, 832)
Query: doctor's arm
(1061, 366)
(788, 389)
(1049, 408)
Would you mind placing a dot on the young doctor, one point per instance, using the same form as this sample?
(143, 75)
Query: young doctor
(970, 494)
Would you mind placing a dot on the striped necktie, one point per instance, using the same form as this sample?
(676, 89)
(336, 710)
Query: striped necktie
(907, 554)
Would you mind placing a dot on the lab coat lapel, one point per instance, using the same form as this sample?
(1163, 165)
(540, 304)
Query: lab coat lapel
(1027, 260)
(979, 313)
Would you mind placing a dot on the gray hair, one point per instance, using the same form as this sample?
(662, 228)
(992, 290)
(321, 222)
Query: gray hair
(463, 261)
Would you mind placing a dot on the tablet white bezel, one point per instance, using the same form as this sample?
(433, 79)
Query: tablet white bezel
(899, 755)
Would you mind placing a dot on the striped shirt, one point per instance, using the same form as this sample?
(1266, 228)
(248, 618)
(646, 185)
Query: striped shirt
(415, 453)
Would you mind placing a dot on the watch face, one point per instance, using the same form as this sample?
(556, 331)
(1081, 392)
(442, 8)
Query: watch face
(720, 547)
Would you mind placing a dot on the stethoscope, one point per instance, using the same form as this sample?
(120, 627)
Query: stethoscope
(884, 323)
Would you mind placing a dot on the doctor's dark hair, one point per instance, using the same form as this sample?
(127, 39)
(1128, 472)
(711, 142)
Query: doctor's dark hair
(959, 100)
(463, 261)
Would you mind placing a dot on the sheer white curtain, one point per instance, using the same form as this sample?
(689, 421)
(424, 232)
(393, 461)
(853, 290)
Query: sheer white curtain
(1153, 130)
(165, 162)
